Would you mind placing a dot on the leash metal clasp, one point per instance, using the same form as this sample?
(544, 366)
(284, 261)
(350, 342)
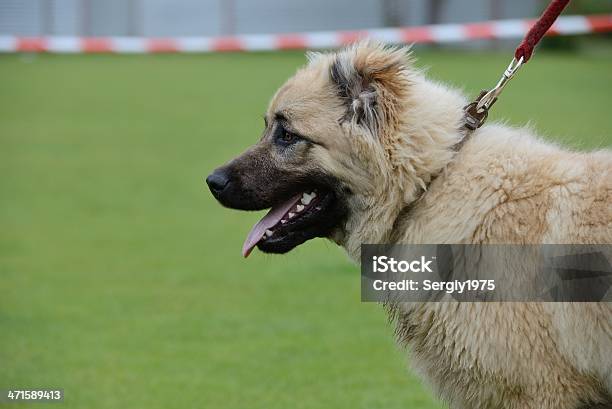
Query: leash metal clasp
(489, 98)
(476, 113)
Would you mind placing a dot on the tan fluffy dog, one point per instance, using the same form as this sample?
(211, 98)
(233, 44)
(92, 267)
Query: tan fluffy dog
(371, 139)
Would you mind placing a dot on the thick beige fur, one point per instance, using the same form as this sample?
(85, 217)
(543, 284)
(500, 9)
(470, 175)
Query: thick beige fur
(505, 185)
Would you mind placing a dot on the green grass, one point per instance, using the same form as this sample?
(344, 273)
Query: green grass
(121, 279)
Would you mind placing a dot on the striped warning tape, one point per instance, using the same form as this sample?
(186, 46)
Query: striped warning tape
(438, 34)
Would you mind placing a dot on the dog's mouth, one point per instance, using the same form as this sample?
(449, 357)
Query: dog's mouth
(290, 223)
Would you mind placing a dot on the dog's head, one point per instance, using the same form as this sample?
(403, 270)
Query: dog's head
(332, 158)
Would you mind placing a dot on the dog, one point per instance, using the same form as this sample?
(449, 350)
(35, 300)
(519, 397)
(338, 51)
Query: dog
(360, 147)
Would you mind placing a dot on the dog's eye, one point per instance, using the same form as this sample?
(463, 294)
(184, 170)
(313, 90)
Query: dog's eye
(286, 137)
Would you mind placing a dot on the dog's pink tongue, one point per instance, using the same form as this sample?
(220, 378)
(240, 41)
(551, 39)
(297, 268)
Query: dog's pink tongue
(269, 220)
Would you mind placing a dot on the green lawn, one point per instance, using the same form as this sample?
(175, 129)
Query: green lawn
(121, 279)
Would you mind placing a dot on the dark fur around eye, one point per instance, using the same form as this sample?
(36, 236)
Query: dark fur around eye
(283, 137)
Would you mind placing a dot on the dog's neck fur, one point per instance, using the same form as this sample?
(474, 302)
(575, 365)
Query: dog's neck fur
(416, 153)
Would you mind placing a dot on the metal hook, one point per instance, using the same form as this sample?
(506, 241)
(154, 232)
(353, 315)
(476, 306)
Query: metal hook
(487, 100)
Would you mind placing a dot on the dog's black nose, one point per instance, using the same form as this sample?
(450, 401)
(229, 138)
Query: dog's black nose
(217, 181)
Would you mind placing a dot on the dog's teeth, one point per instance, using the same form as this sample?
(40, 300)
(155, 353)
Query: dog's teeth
(307, 198)
(269, 233)
(291, 215)
(318, 207)
(299, 208)
(283, 221)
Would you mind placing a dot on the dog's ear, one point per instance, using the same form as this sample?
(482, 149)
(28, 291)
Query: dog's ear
(372, 80)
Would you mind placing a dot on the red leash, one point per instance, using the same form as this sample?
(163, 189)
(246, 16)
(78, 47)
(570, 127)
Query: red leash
(476, 113)
(533, 37)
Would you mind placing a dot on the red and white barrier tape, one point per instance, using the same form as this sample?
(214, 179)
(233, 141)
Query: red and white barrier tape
(439, 33)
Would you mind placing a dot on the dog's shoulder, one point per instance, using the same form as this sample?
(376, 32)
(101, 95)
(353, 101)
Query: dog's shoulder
(509, 185)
